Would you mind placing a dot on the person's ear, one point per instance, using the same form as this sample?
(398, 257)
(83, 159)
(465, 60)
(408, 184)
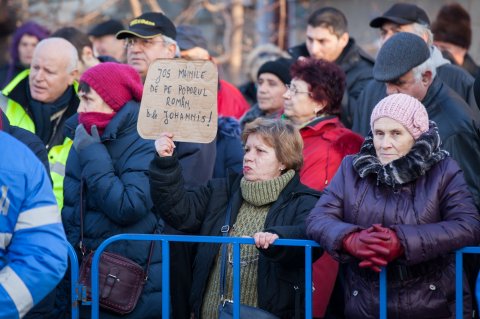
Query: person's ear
(427, 78)
(343, 39)
(87, 54)
(73, 76)
(318, 107)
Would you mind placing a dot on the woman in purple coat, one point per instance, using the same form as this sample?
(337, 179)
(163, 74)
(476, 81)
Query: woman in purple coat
(401, 202)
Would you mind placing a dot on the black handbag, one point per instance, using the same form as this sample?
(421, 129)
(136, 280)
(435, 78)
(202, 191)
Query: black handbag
(121, 280)
(225, 309)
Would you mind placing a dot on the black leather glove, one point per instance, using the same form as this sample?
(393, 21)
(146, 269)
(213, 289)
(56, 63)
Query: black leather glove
(82, 139)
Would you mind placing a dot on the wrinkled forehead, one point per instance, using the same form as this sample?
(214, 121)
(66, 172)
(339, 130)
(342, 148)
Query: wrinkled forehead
(45, 57)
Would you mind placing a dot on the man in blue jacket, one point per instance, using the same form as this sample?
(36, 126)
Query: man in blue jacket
(33, 248)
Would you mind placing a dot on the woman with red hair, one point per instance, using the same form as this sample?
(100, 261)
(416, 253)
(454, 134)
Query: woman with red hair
(313, 103)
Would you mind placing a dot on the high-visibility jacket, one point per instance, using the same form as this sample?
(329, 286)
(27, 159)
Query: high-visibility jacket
(33, 247)
(18, 116)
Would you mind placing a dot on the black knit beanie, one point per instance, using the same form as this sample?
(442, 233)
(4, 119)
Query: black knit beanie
(279, 67)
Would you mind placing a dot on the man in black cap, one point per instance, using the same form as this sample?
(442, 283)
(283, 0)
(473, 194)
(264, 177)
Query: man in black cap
(404, 65)
(327, 38)
(149, 37)
(406, 17)
(104, 41)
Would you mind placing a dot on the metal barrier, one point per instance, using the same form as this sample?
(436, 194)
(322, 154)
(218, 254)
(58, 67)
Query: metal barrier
(236, 241)
(458, 283)
(76, 288)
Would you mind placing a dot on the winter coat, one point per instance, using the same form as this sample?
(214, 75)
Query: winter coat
(33, 254)
(230, 101)
(326, 142)
(424, 198)
(229, 148)
(356, 64)
(255, 112)
(115, 174)
(452, 75)
(202, 211)
(458, 124)
(33, 142)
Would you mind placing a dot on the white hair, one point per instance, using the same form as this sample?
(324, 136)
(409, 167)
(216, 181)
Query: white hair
(169, 40)
(422, 30)
(419, 70)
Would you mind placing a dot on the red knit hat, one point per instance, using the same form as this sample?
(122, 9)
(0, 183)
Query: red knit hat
(116, 83)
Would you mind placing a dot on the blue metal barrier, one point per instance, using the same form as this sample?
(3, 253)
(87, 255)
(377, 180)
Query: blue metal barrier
(76, 289)
(459, 278)
(458, 283)
(236, 241)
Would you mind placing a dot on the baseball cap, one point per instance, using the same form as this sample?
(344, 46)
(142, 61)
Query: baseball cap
(402, 13)
(149, 25)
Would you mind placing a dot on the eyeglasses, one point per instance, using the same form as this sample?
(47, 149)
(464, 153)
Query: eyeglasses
(293, 89)
(143, 43)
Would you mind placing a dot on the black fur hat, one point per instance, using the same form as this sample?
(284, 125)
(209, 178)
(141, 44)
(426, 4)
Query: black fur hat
(453, 26)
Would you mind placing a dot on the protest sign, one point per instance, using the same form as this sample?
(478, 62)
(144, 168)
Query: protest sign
(180, 97)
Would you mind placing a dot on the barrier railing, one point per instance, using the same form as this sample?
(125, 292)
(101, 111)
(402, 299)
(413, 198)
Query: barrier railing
(458, 283)
(235, 241)
(77, 289)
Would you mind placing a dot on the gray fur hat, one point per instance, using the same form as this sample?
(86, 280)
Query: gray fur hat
(398, 55)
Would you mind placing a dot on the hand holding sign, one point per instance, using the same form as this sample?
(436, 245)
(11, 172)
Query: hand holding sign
(180, 97)
(165, 145)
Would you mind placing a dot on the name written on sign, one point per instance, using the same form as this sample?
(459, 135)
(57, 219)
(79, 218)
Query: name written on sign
(182, 116)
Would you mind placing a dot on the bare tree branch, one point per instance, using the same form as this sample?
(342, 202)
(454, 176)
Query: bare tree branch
(136, 7)
(154, 6)
(282, 23)
(91, 16)
(214, 7)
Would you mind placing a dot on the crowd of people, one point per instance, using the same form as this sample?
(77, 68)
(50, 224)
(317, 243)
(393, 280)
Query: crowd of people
(375, 159)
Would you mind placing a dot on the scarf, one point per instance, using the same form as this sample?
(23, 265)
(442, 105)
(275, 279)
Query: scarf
(47, 116)
(424, 154)
(265, 192)
(101, 120)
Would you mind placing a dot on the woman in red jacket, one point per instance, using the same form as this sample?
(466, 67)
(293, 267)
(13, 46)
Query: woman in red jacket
(313, 103)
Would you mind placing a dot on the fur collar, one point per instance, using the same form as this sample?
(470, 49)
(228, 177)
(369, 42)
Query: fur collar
(424, 154)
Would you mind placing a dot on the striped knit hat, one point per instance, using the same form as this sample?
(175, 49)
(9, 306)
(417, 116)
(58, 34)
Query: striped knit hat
(405, 109)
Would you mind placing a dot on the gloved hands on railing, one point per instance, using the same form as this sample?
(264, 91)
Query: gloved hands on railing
(386, 248)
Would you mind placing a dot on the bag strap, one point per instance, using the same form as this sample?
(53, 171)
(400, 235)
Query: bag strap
(83, 202)
(83, 249)
(223, 267)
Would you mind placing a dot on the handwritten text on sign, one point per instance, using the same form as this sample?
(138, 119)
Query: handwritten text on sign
(180, 97)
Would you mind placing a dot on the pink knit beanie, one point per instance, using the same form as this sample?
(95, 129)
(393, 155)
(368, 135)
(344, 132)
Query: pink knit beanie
(405, 109)
(116, 83)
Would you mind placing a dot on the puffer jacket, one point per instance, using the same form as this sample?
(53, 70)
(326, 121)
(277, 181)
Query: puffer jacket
(424, 198)
(201, 210)
(115, 173)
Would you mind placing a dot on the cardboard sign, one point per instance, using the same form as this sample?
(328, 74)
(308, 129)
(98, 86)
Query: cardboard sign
(180, 97)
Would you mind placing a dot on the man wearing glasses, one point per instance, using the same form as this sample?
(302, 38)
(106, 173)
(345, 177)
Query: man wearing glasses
(149, 37)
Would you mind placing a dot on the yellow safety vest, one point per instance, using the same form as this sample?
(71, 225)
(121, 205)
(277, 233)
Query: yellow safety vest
(58, 154)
